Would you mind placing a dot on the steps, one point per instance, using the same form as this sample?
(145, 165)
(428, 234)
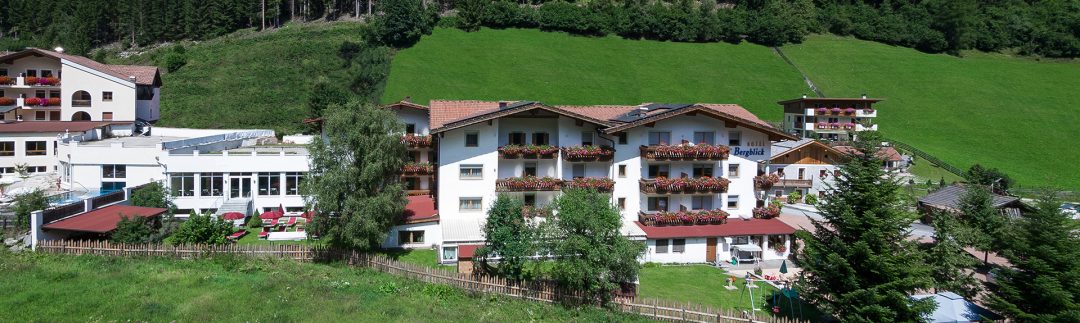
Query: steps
(235, 205)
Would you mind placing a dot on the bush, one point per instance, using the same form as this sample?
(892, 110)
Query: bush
(153, 194)
(175, 60)
(135, 230)
(403, 23)
(254, 222)
(27, 203)
(202, 229)
(794, 197)
(811, 199)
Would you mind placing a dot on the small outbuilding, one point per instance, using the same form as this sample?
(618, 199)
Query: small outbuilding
(953, 308)
(99, 223)
(947, 199)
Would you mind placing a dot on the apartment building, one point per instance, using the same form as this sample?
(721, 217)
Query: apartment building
(828, 118)
(806, 166)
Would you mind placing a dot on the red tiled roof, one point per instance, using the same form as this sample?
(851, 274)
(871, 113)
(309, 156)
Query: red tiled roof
(733, 227)
(144, 75)
(466, 251)
(50, 126)
(420, 209)
(602, 112)
(102, 220)
(443, 112)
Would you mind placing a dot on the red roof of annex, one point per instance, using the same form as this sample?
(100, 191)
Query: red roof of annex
(104, 219)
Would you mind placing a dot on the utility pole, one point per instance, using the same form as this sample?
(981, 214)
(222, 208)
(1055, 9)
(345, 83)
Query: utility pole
(369, 6)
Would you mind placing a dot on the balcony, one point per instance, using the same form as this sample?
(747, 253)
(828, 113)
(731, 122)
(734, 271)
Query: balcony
(684, 217)
(799, 183)
(684, 185)
(836, 126)
(417, 192)
(29, 81)
(600, 184)
(849, 111)
(588, 153)
(528, 152)
(41, 102)
(859, 127)
(685, 152)
(7, 102)
(528, 184)
(417, 169)
(413, 140)
(866, 113)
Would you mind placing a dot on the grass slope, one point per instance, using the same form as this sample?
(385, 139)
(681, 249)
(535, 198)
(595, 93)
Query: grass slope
(233, 289)
(250, 79)
(1019, 115)
(555, 68)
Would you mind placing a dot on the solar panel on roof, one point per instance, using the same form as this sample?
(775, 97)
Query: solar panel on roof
(651, 107)
(517, 104)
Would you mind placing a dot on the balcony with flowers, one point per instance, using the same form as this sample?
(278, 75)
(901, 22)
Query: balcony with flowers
(686, 152)
(528, 152)
(6, 101)
(684, 185)
(767, 212)
(764, 182)
(415, 168)
(600, 184)
(684, 217)
(6, 80)
(587, 153)
(41, 102)
(413, 140)
(528, 184)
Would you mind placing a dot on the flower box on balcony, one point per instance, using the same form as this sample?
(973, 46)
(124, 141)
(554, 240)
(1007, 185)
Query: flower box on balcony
(849, 125)
(41, 102)
(767, 212)
(837, 110)
(424, 168)
(601, 184)
(765, 181)
(822, 125)
(528, 183)
(6, 80)
(663, 185)
(587, 153)
(849, 111)
(834, 125)
(416, 140)
(41, 81)
(6, 101)
(528, 151)
(685, 152)
(695, 217)
(822, 110)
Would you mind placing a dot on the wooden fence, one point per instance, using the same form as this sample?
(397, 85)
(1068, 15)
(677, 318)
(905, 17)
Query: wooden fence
(538, 291)
(63, 211)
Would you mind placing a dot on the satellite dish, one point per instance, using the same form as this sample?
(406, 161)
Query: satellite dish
(58, 49)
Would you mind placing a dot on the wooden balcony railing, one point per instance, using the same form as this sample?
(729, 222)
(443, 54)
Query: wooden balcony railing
(587, 153)
(417, 192)
(600, 184)
(699, 152)
(528, 152)
(417, 169)
(702, 185)
(528, 184)
(803, 183)
(684, 217)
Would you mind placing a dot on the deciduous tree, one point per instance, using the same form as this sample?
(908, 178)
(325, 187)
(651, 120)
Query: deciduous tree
(509, 236)
(27, 203)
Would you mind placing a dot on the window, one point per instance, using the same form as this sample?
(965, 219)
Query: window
(54, 94)
(823, 173)
(7, 170)
(703, 202)
(54, 115)
(211, 184)
(529, 169)
(41, 115)
(802, 173)
(704, 137)
(622, 171)
(36, 148)
(733, 201)
(183, 184)
(678, 245)
(469, 204)
(31, 73)
(472, 171)
(407, 237)
(7, 148)
(41, 94)
(472, 139)
(778, 193)
(622, 203)
(80, 99)
(46, 73)
(799, 122)
(578, 170)
(114, 171)
(780, 171)
(529, 200)
(733, 170)
(106, 96)
(292, 182)
(269, 184)
(516, 138)
(622, 138)
(412, 183)
(734, 138)
(112, 186)
(540, 138)
(742, 240)
(183, 212)
(410, 128)
(412, 156)
(657, 203)
(661, 245)
(3, 72)
(703, 170)
(658, 171)
(659, 138)
(586, 138)
(106, 116)
(36, 169)
(449, 253)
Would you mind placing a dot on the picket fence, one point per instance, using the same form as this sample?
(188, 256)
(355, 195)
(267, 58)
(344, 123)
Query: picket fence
(536, 291)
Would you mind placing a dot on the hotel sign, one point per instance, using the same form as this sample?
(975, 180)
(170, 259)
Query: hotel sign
(746, 153)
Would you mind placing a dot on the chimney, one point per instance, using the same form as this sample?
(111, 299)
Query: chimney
(131, 78)
(502, 104)
(864, 95)
(804, 95)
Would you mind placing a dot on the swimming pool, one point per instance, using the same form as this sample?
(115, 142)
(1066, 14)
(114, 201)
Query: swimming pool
(75, 196)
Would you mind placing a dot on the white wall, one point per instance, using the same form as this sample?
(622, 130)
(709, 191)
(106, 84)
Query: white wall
(432, 235)
(452, 154)
(77, 78)
(416, 117)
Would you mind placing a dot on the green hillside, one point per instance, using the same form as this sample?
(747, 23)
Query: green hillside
(560, 69)
(250, 79)
(1020, 115)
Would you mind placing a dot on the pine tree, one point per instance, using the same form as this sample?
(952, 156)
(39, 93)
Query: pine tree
(952, 266)
(859, 264)
(1042, 285)
(509, 236)
(985, 222)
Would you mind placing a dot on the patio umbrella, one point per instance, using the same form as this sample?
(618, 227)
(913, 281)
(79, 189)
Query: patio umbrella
(270, 215)
(232, 216)
(783, 267)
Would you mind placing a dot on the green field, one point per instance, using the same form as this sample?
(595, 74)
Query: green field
(54, 288)
(556, 68)
(1016, 114)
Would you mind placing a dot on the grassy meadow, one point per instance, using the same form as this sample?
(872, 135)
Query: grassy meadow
(55, 288)
(704, 285)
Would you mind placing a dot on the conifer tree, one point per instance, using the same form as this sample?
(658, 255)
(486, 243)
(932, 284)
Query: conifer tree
(986, 222)
(859, 264)
(952, 266)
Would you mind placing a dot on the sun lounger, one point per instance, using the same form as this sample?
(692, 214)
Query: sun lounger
(237, 235)
(263, 234)
(292, 221)
(275, 222)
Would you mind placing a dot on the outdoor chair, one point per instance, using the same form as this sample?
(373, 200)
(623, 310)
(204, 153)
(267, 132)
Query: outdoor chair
(264, 234)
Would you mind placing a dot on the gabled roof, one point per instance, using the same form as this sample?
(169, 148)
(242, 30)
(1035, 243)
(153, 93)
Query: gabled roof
(501, 109)
(420, 209)
(406, 104)
(144, 75)
(727, 112)
(883, 153)
(949, 198)
(784, 147)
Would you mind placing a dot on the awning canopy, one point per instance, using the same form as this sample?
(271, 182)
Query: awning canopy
(746, 247)
(102, 220)
(420, 209)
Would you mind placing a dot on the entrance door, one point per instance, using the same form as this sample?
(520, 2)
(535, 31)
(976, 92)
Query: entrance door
(239, 186)
(710, 250)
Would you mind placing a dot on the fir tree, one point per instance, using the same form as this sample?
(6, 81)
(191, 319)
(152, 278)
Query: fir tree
(952, 266)
(986, 222)
(859, 263)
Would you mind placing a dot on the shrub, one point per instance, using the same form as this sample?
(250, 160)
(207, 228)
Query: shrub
(403, 23)
(175, 60)
(794, 197)
(811, 199)
(134, 230)
(202, 229)
(153, 194)
(26, 203)
(254, 222)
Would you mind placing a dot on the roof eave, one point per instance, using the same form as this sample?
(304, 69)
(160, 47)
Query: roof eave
(507, 112)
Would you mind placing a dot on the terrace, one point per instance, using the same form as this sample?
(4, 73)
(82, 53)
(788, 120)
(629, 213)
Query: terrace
(684, 185)
(685, 152)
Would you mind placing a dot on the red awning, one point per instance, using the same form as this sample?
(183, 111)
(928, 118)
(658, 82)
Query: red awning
(420, 209)
(466, 251)
(102, 220)
(232, 216)
(270, 215)
(733, 227)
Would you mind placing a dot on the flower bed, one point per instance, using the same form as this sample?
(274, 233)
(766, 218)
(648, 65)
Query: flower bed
(418, 168)
(602, 184)
(686, 185)
(5, 101)
(528, 183)
(588, 153)
(685, 151)
(415, 140)
(528, 151)
(698, 217)
(765, 181)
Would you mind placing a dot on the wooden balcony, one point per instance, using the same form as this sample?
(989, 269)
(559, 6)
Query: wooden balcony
(683, 217)
(600, 184)
(698, 152)
(417, 192)
(528, 152)
(588, 153)
(414, 141)
(702, 185)
(800, 183)
(528, 184)
(418, 169)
